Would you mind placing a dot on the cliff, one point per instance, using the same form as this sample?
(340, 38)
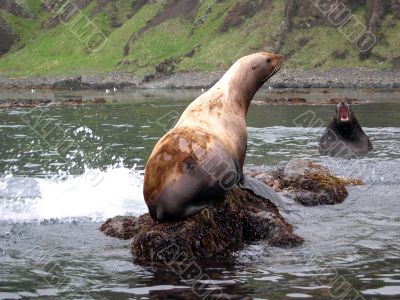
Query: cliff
(167, 36)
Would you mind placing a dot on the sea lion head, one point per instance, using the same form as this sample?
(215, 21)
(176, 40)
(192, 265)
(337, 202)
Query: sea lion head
(250, 72)
(343, 113)
(264, 65)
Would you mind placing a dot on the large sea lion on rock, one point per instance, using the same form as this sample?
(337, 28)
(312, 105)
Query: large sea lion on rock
(202, 157)
(344, 135)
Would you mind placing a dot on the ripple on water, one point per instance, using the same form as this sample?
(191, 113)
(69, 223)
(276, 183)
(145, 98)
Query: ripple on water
(357, 239)
(384, 291)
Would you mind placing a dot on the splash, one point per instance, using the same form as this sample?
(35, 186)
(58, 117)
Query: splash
(96, 194)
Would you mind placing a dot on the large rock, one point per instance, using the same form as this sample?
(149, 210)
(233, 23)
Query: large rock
(70, 84)
(7, 38)
(237, 218)
(307, 183)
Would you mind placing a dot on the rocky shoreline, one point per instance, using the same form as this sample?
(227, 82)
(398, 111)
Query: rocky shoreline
(333, 78)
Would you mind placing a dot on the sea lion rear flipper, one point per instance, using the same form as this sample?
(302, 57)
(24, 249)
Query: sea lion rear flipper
(262, 190)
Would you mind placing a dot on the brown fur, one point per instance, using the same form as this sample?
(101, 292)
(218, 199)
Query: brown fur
(170, 157)
(187, 166)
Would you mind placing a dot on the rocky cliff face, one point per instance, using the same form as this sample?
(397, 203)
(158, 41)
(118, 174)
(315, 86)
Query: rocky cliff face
(6, 36)
(395, 7)
(14, 8)
(318, 12)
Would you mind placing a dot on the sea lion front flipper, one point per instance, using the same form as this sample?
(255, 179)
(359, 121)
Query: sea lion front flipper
(262, 190)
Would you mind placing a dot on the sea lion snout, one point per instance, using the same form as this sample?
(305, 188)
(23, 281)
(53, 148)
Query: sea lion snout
(278, 59)
(271, 63)
(273, 59)
(277, 62)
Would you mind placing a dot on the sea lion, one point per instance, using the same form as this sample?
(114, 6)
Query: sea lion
(203, 155)
(344, 135)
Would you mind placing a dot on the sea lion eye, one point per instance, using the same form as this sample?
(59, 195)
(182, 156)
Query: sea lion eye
(269, 60)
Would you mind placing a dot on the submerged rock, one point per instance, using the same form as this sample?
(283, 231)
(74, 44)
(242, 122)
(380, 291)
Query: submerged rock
(70, 84)
(224, 226)
(307, 183)
(291, 100)
(32, 103)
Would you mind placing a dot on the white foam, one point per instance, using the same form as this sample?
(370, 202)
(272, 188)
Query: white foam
(96, 194)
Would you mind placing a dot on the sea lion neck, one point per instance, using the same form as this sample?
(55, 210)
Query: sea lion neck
(349, 130)
(239, 85)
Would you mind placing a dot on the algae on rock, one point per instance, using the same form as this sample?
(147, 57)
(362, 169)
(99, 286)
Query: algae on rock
(240, 216)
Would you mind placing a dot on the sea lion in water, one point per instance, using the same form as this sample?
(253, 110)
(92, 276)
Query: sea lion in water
(344, 135)
(203, 155)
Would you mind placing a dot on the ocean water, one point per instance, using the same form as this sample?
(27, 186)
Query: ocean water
(64, 170)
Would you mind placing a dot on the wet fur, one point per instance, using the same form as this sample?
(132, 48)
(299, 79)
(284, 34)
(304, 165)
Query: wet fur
(179, 164)
(346, 139)
(210, 134)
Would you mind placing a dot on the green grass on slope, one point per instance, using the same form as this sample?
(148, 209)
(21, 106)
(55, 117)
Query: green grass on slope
(58, 51)
(217, 50)
(21, 27)
(171, 39)
(33, 6)
(387, 47)
(315, 47)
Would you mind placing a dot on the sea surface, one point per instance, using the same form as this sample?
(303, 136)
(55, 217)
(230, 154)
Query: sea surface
(66, 169)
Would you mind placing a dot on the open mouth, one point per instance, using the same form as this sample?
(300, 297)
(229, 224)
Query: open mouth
(344, 114)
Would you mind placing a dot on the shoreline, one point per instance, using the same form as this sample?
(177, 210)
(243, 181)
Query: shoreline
(295, 79)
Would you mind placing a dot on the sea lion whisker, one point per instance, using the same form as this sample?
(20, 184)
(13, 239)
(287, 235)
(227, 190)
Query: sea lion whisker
(274, 71)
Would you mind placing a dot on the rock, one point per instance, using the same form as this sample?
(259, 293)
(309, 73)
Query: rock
(293, 79)
(14, 8)
(62, 11)
(216, 231)
(340, 54)
(72, 101)
(396, 63)
(307, 183)
(32, 103)
(280, 101)
(70, 84)
(395, 7)
(242, 11)
(340, 100)
(120, 227)
(7, 38)
(24, 103)
(296, 100)
(351, 181)
(376, 10)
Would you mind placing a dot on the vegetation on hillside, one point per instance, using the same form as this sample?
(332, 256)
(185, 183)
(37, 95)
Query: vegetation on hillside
(166, 36)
